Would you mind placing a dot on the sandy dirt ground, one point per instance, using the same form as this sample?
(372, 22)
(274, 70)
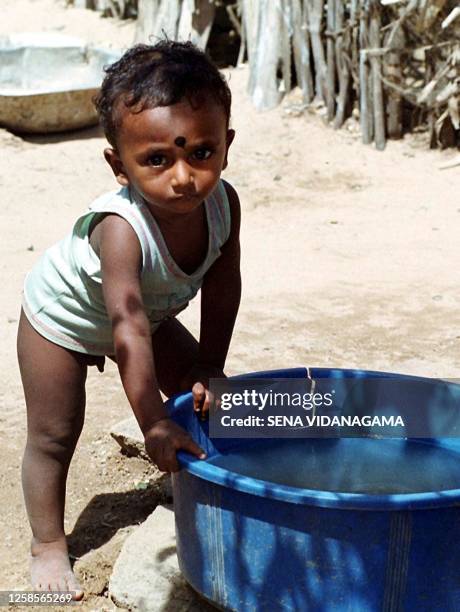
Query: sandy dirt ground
(350, 259)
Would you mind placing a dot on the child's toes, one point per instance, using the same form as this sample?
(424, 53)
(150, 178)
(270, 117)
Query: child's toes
(74, 586)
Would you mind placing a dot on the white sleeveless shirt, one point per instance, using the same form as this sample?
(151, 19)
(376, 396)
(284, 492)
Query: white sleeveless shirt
(63, 297)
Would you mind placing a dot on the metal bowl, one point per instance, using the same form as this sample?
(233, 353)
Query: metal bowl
(48, 80)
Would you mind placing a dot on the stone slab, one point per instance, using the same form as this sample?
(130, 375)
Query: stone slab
(146, 575)
(129, 436)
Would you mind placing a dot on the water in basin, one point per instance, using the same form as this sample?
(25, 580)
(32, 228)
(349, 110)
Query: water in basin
(348, 465)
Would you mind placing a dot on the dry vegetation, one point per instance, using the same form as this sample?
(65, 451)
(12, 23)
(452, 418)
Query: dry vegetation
(393, 63)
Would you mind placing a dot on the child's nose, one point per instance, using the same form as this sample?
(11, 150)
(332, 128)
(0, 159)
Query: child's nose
(182, 174)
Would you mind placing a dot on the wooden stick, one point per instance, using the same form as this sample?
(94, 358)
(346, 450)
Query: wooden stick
(301, 48)
(377, 90)
(412, 6)
(114, 8)
(202, 20)
(342, 66)
(168, 17)
(250, 17)
(264, 46)
(364, 102)
(243, 49)
(354, 29)
(234, 19)
(315, 18)
(365, 116)
(100, 5)
(285, 28)
(146, 19)
(354, 24)
(123, 4)
(330, 45)
(392, 70)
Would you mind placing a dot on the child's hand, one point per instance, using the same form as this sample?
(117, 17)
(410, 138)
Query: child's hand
(198, 380)
(162, 441)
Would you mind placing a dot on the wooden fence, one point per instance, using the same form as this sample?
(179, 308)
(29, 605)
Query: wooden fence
(395, 62)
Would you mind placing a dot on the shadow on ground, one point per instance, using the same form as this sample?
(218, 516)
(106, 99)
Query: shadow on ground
(80, 134)
(107, 513)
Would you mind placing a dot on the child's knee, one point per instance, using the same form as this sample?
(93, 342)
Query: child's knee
(54, 441)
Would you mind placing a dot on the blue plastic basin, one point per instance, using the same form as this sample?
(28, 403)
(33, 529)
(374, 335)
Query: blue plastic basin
(246, 543)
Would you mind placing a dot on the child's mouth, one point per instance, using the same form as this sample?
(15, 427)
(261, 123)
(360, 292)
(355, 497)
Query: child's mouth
(185, 197)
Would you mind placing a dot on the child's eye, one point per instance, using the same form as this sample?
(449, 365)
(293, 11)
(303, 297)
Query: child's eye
(202, 154)
(157, 160)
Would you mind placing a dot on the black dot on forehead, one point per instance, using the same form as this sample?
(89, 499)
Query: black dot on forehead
(180, 141)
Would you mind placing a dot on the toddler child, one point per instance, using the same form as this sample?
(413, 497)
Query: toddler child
(114, 286)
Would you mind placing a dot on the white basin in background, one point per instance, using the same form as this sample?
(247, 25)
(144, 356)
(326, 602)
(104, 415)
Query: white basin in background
(48, 80)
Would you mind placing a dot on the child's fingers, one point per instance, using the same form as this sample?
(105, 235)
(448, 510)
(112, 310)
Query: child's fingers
(162, 457)
(192, 447)
(202, 399)
(207, 402)
(168, 461)
(162, 442)
(199, 396)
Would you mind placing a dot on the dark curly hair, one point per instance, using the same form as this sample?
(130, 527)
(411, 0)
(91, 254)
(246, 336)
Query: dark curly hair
(147, 76)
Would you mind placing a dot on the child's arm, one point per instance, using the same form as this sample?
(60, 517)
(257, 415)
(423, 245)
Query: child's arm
(121, 256)
(220, 300)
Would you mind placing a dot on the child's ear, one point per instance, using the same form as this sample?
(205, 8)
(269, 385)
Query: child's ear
(229, 140)
(114, 161)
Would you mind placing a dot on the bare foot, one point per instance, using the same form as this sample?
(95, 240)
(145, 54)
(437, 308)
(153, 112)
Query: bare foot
(50, 568)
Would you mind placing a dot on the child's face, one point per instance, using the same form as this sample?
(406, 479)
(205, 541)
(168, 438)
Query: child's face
(172, 155)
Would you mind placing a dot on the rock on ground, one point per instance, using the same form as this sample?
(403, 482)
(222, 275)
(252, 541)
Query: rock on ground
(94, 567)
(146, 575)
(129, 436)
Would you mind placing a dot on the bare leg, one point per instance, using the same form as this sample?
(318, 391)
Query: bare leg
(175, 351)
(54, 388)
